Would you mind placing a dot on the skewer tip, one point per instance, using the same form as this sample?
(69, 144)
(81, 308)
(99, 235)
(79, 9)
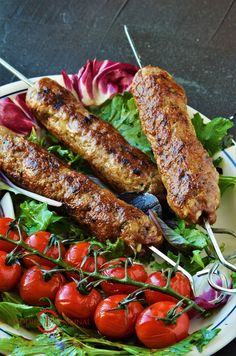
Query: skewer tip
(132, 45)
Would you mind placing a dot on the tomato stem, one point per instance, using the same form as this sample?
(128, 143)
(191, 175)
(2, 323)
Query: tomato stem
(98, 276)
(95, 261)
(133, 297)
(172, 314)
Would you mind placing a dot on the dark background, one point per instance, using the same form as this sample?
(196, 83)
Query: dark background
(193, 39)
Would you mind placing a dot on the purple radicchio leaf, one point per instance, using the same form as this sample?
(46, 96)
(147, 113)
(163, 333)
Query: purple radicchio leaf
(13, 117)
(67, 80)
(98, 81)
(20, 100)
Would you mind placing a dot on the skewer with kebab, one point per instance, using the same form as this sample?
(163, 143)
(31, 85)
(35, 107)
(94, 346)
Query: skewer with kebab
(96, 209)
(187, 171)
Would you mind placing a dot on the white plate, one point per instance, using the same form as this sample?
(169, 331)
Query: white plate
(224, 318)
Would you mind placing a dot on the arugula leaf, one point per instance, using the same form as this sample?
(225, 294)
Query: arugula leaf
(213, 135)
(189, 262)
(197, 258)
(226, 182)
(114, 249)
(36, 216)
(60, 343)
(18, 346)
(122, 113)
(67, 229)
(18, 315)
(206, 336)
(110, 249)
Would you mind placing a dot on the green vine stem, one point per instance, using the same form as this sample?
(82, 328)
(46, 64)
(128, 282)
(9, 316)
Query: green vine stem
(98, 276)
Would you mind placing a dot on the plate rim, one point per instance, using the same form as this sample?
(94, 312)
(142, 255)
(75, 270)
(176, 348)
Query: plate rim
(218, 343)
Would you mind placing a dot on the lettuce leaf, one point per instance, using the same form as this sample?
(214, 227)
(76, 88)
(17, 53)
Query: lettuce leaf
(38, 137)
(66, 154)
(36, 216)
(194, 236)
(213, 135)
(122, 113)
(53, 145)
(182, 237)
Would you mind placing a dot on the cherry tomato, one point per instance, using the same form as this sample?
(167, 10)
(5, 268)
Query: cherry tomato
(76, 255)
(116, 324)
(115, 268)
(9, 273)
(13, 235)
(34, 285)
(75, 305)
(178, 282)
(155, 333)
(40, 241)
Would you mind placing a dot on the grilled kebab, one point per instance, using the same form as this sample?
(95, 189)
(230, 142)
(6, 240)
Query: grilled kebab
(94, 208)
(186, 169)
(115, 161)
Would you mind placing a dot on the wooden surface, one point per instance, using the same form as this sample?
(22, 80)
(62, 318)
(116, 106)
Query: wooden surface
(193, 39)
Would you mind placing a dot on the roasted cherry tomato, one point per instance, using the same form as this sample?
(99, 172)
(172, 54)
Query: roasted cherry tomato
(10, 273)
(40, 241)
(116, 324)
(76, 255)
(154, 333)
(77, 306)
(116, 268)
(13, 235)
(178, 282)
(35, 285)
